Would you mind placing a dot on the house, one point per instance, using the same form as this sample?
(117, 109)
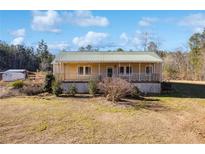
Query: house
(143, 69)
(14, 74)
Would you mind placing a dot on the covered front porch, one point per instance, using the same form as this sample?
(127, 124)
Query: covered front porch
(132, 72)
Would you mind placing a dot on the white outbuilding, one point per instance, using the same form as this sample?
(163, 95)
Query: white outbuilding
(14, 74)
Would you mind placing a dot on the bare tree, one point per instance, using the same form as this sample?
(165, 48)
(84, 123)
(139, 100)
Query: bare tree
(152, 46)
(145, 38)
(150, 41)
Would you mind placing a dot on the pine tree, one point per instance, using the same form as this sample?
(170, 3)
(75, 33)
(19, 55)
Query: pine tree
(195, 55)
(45, 58)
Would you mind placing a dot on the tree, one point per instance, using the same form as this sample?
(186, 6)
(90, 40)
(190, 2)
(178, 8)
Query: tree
(17, 57)
(120, 50)
(88, 48)
(195, 55)
(45, 58)
(176, 65)
(152, 46)
(170, 70)
(49, 80)
(145, 38)
(149, 41)
(81, 49)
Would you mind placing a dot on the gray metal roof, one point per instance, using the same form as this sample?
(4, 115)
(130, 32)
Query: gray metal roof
(15, 70)
(104, 56)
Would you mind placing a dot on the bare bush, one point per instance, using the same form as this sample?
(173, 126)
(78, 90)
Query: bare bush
(115, 88)
(32, 89)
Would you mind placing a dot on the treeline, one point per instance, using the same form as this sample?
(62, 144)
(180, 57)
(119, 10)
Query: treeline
(188, 65)
(23, 57)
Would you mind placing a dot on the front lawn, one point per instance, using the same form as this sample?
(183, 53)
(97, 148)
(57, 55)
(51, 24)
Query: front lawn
(48, 119)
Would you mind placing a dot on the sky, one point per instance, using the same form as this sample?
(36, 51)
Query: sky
(105, 30)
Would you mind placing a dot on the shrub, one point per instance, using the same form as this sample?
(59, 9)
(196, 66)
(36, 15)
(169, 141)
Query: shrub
(115, 88)
(48, 83)
(57, 90)
(135, 93)
(17, 84)
(92, 87)
(32, 90)
(72, 90)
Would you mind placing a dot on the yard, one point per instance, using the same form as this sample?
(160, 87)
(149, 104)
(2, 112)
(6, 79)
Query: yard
(170, 118)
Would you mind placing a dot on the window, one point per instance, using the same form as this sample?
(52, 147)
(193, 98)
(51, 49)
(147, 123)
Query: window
(80, 70)
(87, 70)
(128, 70)
(125, 70)
(148, 70)
(84, 70)
(121, 70)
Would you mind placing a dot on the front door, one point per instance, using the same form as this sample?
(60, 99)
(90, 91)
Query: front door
(109, 72)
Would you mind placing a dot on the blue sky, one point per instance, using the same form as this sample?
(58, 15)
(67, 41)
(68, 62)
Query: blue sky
(105, 30)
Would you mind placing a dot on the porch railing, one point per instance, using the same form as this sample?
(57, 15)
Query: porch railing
(132, 77)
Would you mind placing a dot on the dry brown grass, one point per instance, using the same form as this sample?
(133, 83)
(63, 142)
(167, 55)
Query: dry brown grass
(188, 81)
(48, 119)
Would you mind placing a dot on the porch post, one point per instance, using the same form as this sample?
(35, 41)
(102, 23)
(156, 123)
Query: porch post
(99, 70)
(160, 72)
(154, 72)
(76, 75)
(119, 70)
(150, 77)
(129, 72)
(56, 71)
(60, 71)
(139, 70)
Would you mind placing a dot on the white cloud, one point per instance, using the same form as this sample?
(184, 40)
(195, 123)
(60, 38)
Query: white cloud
(136, 41)
(91, 38)
(85, 18)
(143, 37)
(18, 41)
(130, 41)
(19, 32)
(124, 39)
(18, 35)
(59, 46)
(147, 21)
(195, 21)
(45, 21)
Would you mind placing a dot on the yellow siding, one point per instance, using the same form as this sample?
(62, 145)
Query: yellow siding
(69, 71)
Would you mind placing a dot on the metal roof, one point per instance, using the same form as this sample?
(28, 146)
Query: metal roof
(15, 70)
(105, 56)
